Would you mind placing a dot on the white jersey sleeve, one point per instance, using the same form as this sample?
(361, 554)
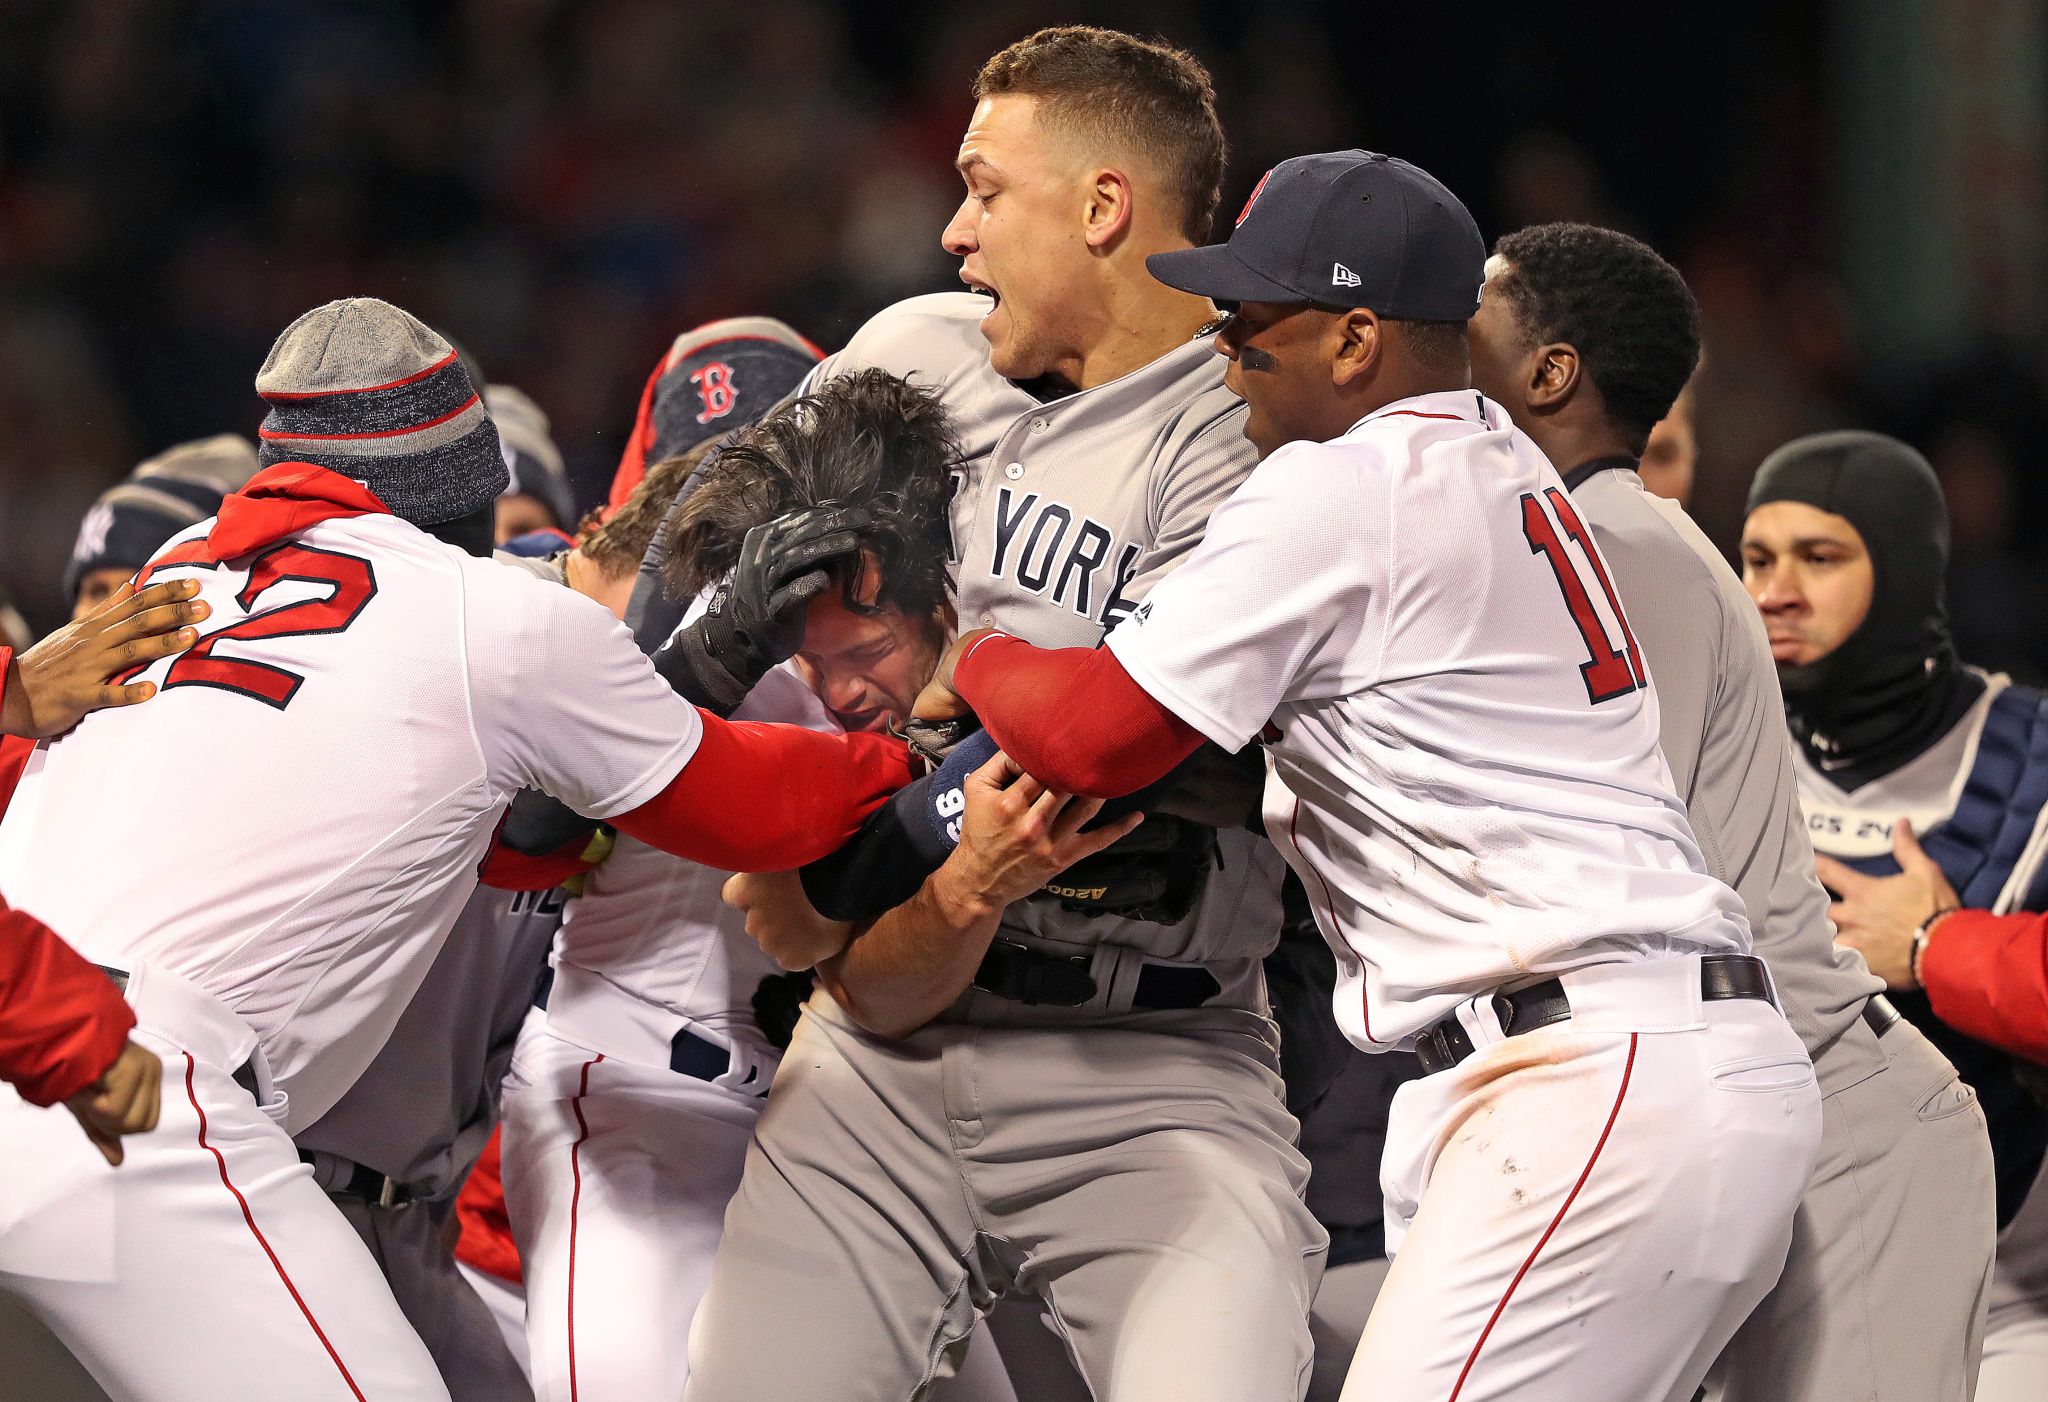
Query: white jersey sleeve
(565, 703)
(1276, 603)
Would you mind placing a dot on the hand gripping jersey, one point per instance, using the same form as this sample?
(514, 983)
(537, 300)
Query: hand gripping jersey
(1066, 516)
(1978, 802)
(293, 823)
(1463, 735)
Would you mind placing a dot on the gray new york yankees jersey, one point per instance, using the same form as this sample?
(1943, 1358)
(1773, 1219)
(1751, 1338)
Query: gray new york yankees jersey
(1066, 514)
(1723, 734)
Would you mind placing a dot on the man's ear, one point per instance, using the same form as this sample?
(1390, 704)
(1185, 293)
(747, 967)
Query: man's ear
(1554, 373)
(1109, 207)
(1359, 341)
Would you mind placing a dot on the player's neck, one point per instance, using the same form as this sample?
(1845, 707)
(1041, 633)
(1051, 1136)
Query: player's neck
(1390, 385)
(1135, 324)
(1568, 445)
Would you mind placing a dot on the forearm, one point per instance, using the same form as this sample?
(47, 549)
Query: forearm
(915, 961)
(62, 1021)
(13, 704)
(1072, 718)
(768, 797)
(1987, 976)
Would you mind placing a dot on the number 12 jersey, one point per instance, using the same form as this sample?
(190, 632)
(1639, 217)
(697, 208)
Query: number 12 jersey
(295, 820)
(1463, 737)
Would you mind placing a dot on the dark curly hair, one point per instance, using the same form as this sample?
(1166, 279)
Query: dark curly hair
(867, 439)
(1624, 309)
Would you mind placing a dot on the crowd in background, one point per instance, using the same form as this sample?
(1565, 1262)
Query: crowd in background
(564, 186)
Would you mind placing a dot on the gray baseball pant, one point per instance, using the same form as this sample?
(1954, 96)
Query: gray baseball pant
(1140, 1177)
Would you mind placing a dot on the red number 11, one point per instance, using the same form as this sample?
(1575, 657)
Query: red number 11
(1609, 673)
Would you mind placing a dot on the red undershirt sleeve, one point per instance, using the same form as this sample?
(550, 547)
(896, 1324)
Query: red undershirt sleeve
(1987, 976)
(62, 1021)
(757, 797)
(505, 869)
(1072, 718)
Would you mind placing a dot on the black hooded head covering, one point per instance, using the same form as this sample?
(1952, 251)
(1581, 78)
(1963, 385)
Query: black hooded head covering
(1895, 685)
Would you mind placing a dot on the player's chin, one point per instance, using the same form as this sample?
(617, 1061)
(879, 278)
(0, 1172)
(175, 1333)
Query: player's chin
(1258, 433)
(1007, 355)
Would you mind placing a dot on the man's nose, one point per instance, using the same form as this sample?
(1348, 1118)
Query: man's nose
(958, 239)
(845, 693)
(1775, 590)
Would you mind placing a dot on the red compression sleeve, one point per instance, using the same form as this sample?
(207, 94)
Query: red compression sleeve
(62, 1021)
(15, 752)
(1072, 718)
(1987, 976)
(758, 797)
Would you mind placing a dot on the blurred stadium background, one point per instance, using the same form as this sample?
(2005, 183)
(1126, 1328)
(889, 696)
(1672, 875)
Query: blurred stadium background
(1857, 190)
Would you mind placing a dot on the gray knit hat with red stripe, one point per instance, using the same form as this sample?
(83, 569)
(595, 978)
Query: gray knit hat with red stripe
(365, 389)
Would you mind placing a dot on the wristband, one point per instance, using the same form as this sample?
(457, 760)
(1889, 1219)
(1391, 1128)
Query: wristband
(1920, 938)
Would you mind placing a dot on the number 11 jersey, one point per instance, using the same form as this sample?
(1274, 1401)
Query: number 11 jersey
(1463, 737)
(296, 818)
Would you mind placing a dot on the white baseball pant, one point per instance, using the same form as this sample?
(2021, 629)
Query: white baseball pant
(1585, 1212)
(208, 1261)
(2015, 1367)
(617, 1176)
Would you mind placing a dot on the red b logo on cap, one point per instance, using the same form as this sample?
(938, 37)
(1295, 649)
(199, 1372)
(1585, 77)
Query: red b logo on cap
(1253, 198)
(715, 388)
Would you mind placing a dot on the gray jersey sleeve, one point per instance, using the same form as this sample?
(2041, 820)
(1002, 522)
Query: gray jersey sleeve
(1723, 734)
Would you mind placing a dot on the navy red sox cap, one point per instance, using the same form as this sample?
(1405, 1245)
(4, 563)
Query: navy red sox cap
(1343, 229)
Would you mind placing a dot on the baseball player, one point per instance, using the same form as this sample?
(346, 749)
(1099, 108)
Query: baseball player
(712, 379)
(1464, 747)
(1844, 551)
(1585, 336)
(179, 487)
(395, 1148)
(632, 1098)
(1080, 1108)
(538, 497)
(334, 752)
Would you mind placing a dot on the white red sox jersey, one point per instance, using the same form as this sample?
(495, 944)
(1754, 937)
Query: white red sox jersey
(656, 925)
(294, 821)
(1463, 736)
(1067, 513)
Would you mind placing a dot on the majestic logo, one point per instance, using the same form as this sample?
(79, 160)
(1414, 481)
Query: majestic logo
(715, 387)
(1343, 276)
(1253, 198)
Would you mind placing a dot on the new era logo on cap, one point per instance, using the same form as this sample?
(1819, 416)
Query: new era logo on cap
(1350, 228)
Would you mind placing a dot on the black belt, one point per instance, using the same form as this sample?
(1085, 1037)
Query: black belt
(688, 1054)
(1026, 975)
(1880, 1015)
(1446, 1043)
(365, 1184)
(244, 1075)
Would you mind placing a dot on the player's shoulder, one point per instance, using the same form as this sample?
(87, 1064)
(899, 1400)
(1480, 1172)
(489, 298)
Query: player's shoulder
(931, 336)
(1632, 524)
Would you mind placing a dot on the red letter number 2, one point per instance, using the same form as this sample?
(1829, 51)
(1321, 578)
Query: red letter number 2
(1609, 673)
(355, 584)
